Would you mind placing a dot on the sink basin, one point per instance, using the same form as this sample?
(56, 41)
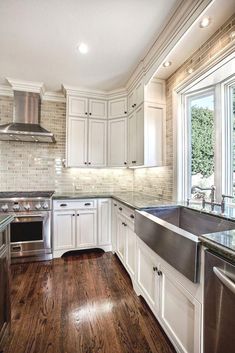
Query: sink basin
(192, 221)
(172, 232)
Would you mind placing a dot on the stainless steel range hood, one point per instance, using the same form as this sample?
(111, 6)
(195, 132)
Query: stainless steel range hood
(26, 118)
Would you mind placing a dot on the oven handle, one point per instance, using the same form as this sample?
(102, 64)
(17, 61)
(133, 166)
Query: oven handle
(224, 279)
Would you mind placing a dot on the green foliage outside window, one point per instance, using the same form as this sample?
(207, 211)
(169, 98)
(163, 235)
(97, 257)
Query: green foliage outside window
(202, 140)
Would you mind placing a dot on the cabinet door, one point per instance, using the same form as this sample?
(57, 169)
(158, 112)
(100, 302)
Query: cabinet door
(77, 142)
(139, 94)
(131, 102)
(114, 225)
(5, 304)
(132, 140)
(117, 108)
(64, 230)
(180, 314)
(130, 250)
(98, 108)
(104, 213)
(117, 142)
(139, 145)
(86, 229)
(147, 277)
(78, 106)
(121, 230)
(97, 149)
(153, 139)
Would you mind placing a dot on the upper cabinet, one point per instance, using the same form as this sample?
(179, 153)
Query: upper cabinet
(136, 97)
(84, 107)
(117, 108)
(117, 131)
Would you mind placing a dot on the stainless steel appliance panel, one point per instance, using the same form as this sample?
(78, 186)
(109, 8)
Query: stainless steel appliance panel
(219, 305)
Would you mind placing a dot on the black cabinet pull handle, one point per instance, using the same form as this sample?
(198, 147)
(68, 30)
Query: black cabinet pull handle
(87, 204)
(155, 268)
(133, 162)
(159, 273)
(63, 205)
(120, 208)
(132, 216)
(73, 214)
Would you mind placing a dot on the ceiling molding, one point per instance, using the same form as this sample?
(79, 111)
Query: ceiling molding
(99, 94)
(181, 20)
(6, 90)
(27, 86)
(54, 97)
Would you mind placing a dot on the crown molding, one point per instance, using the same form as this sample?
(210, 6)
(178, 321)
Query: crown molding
(6, 91)
(99, 94)
(54, 97)
(27, 86)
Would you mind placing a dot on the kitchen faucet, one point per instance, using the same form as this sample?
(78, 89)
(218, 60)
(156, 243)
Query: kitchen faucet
(212, 197)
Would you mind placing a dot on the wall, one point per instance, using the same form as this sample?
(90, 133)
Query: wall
(159, 181)
(31, 166)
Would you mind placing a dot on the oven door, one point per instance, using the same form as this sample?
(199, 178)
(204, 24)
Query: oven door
(30, 234)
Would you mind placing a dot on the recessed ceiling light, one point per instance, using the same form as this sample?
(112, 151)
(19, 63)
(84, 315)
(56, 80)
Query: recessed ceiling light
(82, 48)
(190, 70)
(205, 22)
(167, 63)
(232, 35)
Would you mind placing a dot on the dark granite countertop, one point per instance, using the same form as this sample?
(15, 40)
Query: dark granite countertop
(4, 221)
(135, 200)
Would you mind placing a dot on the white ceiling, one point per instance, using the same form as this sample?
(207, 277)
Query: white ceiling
(38, 39)
(219, 12)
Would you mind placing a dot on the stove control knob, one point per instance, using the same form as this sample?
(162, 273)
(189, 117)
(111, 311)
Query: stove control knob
(38, 206)
(27, 207)
(45, 206)
(4, 208)
(16, 207)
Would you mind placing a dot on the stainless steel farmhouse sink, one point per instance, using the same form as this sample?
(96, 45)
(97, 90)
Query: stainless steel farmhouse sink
(172, 232)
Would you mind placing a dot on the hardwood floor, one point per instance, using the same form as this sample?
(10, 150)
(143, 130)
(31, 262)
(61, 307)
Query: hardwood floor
(80, 304)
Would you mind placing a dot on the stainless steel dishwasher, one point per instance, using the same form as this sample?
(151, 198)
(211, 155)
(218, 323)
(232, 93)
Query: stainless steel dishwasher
(219, 305)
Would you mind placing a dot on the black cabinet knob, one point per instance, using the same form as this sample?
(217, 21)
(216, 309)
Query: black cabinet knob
(120, 208)
(159, 273)
(125, 112)
(132, 216)
(133, 162)
(155, 268)
(86, 113)
(85, 162)
(89, 113)
(115, 204)
(89, 163)
(125, 163)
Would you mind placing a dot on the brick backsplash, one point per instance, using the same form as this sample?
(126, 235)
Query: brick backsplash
(159, 181)
(32, 166)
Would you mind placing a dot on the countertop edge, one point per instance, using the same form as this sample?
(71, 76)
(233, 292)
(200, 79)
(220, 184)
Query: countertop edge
(218, 248)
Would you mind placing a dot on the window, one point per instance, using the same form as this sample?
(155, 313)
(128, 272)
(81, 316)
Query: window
(201, 163)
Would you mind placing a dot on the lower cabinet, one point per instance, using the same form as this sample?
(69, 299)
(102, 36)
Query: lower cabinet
(173, 305)
(86, 225)
(121, 238)
(81, 225)
(64, 230)
(180, 313)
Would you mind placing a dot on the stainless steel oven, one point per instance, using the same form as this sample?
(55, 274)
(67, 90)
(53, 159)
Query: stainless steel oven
(30, 232)
(30, 235)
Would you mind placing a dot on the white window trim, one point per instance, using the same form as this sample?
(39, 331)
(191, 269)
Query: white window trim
(180, 143)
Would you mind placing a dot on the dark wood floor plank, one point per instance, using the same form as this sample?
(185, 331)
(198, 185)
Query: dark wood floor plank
(80, 304)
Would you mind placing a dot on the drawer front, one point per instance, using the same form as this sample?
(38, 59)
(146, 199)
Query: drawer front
(127, 212)
(76, 204)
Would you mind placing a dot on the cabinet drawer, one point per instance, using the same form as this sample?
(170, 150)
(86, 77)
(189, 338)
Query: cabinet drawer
(76, 204)
(127, 212)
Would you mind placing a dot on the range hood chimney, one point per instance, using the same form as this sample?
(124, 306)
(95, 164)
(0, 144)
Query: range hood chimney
(26, 120)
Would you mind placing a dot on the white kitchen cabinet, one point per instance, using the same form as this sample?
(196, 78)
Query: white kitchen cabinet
(77, 106)
(117, 108)
(130, 251)
(86, 225)
(146, 126)
(114, 225)
(117, 142)
(136, 137)
(180, 313)
(64, 235)
(104, 222)
(77, 142)
(147, 276)
(136, 97)
(97, 108)
(97, 145)
(120, 241)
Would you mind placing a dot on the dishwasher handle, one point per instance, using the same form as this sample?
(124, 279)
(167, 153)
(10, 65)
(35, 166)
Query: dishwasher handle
(224, 279)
